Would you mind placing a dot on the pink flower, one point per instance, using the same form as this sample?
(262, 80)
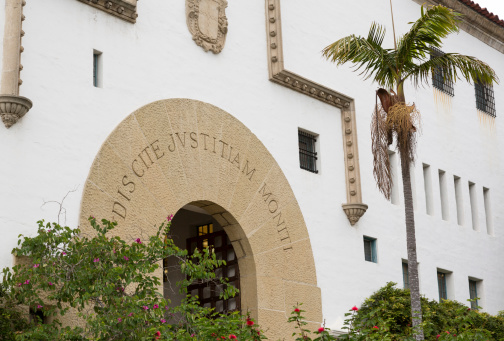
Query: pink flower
(297, 310)
(27, 281)
(39, 306)
(119, 319)
(162, 321)
(19, 284)
(126, 258)
(250, 322)
(145, 307)
(438, 336)
(130, 314)
(375, 327)
(138, 241)
(63, 253)
(354, 308)
(193, 335)
(158, 334)
(170, 217)
(155, 306)
(36, 265)
(96, 260)
(50, 283)
(321, 329)
(232, 336)
(447, 332)
(166, 307)
(48, 230)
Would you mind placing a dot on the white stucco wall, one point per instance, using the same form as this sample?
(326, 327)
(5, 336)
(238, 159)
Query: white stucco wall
(49, 152)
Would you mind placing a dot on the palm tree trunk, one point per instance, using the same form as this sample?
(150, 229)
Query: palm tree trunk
(416, 308)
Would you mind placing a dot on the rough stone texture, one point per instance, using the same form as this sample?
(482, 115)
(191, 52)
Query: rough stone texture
(177, 165)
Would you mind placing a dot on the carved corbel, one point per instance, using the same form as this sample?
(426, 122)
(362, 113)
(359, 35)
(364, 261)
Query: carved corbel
(12, 106)
(354, 208)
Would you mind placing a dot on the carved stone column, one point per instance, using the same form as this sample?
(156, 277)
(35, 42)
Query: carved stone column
(354, 208)
(12, 106)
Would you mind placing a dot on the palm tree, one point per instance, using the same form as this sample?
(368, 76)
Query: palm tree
(393, 119)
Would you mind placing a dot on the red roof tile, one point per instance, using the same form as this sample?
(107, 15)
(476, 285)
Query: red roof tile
(483, 11)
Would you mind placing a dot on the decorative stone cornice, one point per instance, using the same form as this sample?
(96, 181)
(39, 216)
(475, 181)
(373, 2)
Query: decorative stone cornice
(474, 23)
(354, 208)
(12, 108)
(124, 9)
(354, 212)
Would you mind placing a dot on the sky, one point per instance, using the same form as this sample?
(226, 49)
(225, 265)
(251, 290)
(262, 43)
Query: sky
(495, 6)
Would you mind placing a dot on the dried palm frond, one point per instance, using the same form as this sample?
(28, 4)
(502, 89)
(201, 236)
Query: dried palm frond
(404, 120)
(379, 146)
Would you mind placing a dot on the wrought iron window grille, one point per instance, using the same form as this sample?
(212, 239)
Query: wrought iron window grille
(307, 153)
(439, 80)
(485, 100)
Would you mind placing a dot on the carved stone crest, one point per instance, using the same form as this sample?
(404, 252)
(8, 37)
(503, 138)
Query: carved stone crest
(207, 22)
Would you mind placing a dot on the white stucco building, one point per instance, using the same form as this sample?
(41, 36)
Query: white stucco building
(87, 66)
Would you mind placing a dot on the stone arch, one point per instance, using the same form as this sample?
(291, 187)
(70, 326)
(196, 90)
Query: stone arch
(178, 151)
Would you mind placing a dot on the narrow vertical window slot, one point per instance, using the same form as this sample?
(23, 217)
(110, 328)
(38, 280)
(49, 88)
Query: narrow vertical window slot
(488, 211)
(405, 274)
(394, 195)
(97, 69)
(459, 200)
(445, 212)
(429, 209)
(474, 206)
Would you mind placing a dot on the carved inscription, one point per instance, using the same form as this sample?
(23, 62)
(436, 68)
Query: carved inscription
(272, 206)
(154, 151)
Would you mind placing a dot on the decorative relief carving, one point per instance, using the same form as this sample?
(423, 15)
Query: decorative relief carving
(207, 22)
(354, 208)
(354, 212)
(12, 108)
(124, 9)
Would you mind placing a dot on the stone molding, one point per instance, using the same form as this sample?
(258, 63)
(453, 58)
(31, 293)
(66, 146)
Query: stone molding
(202, 32)
(354, 208)
(124, 9)
(12, 106)
(474, 23)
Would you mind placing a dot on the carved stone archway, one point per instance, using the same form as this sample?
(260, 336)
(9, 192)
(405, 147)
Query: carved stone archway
(178, 151)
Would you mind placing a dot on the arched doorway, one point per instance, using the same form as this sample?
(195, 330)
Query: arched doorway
(176, 152)
(194, 228)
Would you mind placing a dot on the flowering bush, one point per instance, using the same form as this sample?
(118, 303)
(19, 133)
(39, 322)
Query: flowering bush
(109, 283)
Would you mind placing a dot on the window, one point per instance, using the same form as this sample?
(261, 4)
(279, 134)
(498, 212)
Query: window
(473, 293)
(97, 69)
(405, 275)
(429, 206)
(485, 101)
(488, 210)
(474, 206)
(441, 278)
(438, 77)
(208, 292)
(370, 249)
(443, 194)
(307, 151)
(458, 200)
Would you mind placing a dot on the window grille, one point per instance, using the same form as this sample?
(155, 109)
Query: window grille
(370, 249)
(439, 80)
(441, 276)
(473, 293)
(307, 153)
(208, 292)
(405, 275)
(485, 101)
